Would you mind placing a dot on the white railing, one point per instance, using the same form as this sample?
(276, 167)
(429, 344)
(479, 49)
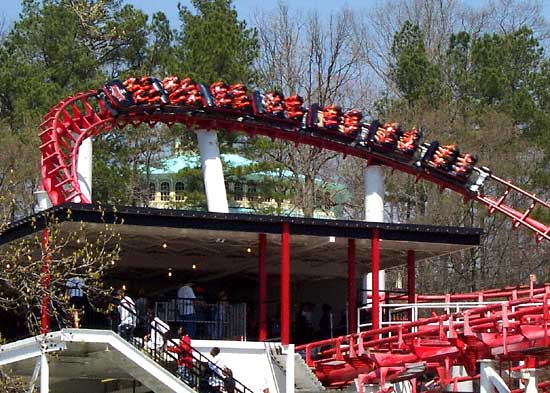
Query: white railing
(216, 321)
(398, 313)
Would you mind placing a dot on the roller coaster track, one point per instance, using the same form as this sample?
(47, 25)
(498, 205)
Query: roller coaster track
(86, 115)
(515, 329)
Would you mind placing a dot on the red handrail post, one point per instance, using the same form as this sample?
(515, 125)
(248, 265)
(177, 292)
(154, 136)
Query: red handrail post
(262, 287)
(285, 284)
(45, 315)
(352, 292)
(375, 269)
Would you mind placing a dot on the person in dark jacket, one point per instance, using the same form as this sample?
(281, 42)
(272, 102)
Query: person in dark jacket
(228, 380)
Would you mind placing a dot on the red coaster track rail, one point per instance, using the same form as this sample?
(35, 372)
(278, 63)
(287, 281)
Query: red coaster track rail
(517, 329)
(86, 115)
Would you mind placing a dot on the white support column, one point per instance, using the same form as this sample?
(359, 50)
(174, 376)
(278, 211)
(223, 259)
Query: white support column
(465, 386)
(485, 367)
(212, 171)
(44, 373)
(84, 169)
(521, 382)
(374, 212)
(374, 193)
(529, 377)
(367, 284)
(289, 382)
(35, 375)
(42, 200)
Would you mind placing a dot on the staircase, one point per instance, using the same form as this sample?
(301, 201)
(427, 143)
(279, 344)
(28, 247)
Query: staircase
(199, 373)
(305, 380)
(101, 355)
(88, 355)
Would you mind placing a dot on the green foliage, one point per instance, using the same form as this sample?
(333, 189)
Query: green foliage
(414, 74)
(122, 163)
(492, 100)
(60, 47)
(503, 68)
(194, 188)
(160, 54)
(214, 44)
(12, 384)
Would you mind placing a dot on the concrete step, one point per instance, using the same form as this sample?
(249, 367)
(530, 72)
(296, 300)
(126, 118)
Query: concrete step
(304, 379)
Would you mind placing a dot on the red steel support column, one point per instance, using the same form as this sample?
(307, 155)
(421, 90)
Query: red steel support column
(411, 270)
(285, 284)
(375, 268)
(45, 317)
(352, 280)
(262, 287)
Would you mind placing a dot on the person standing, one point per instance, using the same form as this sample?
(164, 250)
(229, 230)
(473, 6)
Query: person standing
(75, 291)
(186, 308)
(157, 335)
(229, 381)
(127, 314)
(216, 365)
(185, 355)
(325, 323)
(220, 317)
(304, 324)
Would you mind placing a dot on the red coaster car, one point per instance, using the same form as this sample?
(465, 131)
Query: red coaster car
(448, 160)
(220, 93)
(331, 116)
(351, 122)
(409, 141)
(116, 95)
(239, 97)
(146, 91)
(271, 103)
(294, 106)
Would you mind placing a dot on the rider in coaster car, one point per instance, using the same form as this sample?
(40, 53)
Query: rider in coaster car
(464, 164)
(131, 84)
(444, 156)
(331, 116)
(143, 90)
(387, 134)
(294, 107)
(274, 103)
(192, 91)
(239, 96)
(351, 122)
(173, 87)
(407, 143)
(171, 84)
(220, 92)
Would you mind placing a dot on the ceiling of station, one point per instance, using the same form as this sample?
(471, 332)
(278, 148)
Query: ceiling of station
(222, 253)
(220, 245)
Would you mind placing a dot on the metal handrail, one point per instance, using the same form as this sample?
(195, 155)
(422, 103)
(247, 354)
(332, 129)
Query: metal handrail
(202, 368)
(394, 308)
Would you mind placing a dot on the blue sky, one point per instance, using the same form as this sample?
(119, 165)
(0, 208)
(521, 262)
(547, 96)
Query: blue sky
(9, 10)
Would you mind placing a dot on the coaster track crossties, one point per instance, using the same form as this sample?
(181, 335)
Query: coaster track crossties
(173, 100)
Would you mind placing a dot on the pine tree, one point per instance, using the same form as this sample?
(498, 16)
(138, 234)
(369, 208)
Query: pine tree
(214, 44)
